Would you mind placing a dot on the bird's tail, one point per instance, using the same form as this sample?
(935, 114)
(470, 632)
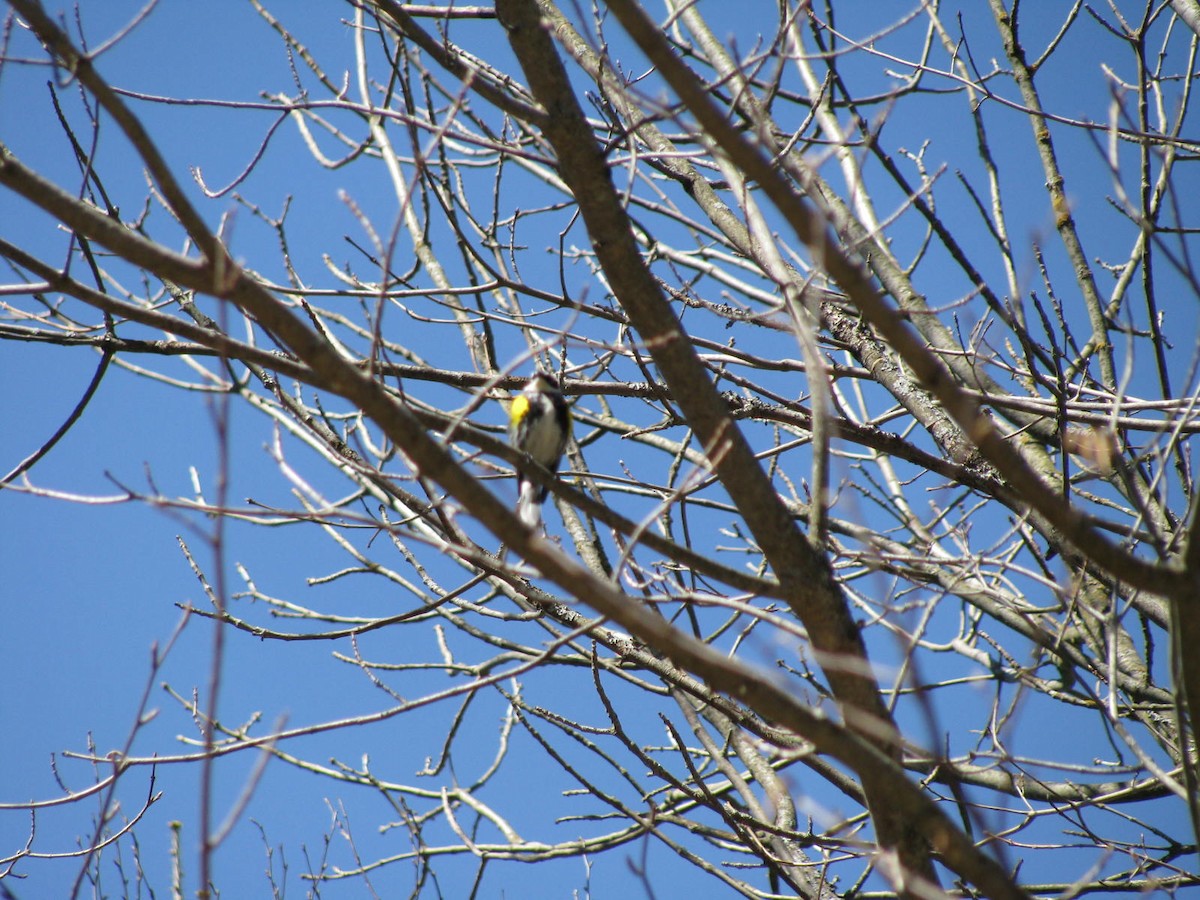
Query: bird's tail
(529, 503)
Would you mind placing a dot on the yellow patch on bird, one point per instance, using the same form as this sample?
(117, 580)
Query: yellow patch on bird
(520, 406)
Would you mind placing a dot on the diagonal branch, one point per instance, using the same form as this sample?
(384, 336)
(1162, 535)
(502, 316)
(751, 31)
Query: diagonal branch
(932, 374)
(804, 574)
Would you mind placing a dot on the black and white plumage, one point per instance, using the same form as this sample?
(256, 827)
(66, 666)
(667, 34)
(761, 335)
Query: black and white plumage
(539, 424)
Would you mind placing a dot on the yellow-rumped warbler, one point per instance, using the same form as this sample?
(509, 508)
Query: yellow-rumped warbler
(539, 423)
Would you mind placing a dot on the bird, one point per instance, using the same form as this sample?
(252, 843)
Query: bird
(539, 424)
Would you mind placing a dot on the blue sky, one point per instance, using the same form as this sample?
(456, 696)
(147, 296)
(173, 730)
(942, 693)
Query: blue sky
(92, 586)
